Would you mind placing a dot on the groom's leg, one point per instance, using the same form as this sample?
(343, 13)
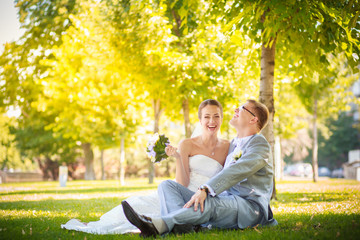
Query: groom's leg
(173, 196)
(215, 209)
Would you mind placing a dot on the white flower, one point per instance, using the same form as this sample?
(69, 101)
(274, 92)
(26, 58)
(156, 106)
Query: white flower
(153, 139)
(237, 154)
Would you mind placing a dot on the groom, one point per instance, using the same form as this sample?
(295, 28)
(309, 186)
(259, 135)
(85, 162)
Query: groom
(236, 198)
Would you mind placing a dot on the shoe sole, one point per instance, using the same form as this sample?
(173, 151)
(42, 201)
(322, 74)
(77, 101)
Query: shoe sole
(134, 219)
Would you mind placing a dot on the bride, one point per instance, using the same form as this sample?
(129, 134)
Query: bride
(199, 158)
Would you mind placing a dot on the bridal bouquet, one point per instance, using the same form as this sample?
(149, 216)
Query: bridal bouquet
(156, 147)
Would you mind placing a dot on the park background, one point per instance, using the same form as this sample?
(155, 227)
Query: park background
(87, 83)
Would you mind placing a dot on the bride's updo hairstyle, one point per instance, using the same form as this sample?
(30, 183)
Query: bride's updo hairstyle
(210, 102)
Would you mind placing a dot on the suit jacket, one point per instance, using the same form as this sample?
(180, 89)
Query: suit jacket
(250, 178)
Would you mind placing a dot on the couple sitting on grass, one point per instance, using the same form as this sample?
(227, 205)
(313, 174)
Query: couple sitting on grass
(219, 184)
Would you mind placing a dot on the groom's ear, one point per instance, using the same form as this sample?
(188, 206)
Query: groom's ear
(254, 120)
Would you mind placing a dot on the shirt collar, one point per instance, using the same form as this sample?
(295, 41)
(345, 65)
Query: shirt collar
(239, 142)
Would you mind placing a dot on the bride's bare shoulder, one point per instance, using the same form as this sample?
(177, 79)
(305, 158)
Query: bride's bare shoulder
(186, 143)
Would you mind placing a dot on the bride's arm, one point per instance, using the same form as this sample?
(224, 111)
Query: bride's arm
(182, 171)
(182, 175)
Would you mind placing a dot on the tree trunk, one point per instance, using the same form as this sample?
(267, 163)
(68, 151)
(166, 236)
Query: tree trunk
(157, 114)
(266, 95)
(49, 169)
(122, 162)
(6, 160)
(52, 167)
(185, 106)
(89, 161)
(315, 144)
(102, 165)
(43, 169)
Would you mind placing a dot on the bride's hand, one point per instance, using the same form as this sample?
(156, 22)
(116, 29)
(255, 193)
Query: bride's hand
(172, 151)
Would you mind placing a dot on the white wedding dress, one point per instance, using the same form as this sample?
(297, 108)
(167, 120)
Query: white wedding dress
(202, 168)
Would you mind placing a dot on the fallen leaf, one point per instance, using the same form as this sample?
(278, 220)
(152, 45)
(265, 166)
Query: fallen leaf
(47, 229)
(312, 216)
(338, 234)
(22, 231)
(257, 230)
(30, 231)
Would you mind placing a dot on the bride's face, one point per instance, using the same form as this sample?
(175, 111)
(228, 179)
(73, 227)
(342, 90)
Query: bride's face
(211, 119)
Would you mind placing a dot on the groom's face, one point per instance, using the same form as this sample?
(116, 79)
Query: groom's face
(242, 117)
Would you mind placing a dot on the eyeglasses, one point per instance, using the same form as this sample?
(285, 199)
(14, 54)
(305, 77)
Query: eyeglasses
(242, 107)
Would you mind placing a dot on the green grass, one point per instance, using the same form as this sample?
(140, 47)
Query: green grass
(329, 209)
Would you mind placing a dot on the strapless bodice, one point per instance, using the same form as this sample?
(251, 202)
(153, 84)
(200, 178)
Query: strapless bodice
(202, 168)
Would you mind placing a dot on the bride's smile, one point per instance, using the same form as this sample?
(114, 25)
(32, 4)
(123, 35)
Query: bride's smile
(211, 118)
(212, 128)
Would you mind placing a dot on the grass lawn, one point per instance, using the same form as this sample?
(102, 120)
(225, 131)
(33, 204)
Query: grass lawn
(329, 209)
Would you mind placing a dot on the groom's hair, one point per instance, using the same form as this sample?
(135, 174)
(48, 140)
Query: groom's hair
(261, 112)
(212, 102)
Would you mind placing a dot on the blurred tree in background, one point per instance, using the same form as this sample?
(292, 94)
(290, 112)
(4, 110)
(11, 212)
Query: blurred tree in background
(21, 71)
(101, 76)
(340, 136)
(303, 33)
(9, 154)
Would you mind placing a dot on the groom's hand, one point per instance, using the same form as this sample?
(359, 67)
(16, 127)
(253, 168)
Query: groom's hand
(198, 198)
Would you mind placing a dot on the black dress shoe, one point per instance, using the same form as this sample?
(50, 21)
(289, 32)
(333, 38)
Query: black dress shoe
(183, 228)
(142, 222)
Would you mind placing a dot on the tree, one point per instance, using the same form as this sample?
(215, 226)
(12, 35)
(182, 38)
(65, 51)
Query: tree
(287, 25)
(198, 67)
(319, 90)
(144, 32)
(85, 89)
(341, 137)
(9, 155)
(173, 71)
(43, 22)
(33, 140)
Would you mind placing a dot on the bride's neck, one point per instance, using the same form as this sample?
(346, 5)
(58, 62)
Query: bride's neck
(209, 139)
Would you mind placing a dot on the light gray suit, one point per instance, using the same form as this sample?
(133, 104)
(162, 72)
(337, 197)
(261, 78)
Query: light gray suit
(248, 184)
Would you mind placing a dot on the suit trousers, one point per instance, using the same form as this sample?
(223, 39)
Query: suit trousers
(219, 211)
